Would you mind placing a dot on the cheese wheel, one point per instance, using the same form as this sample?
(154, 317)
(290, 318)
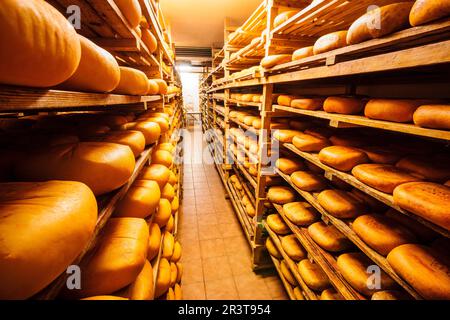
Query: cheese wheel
(107, 298)
(287, 274)
(331, 294)
(169, 295)
(307, 103)
(298, 294)
(342, 158)
(162, 157)
(141, 200)
(308, 181)
(354, 268)
(142, 287)
(382, 233)
(163, 213)
(178, 292)
(179, 271)
(271, 61)
(175, 204)
(131, 10)
(168, 245)
(170, 224)
(131, 138)
(288, 166)
(423, 233)
(330, 42)
(283, 17)
(328, 237)
(154, 241)
(309, 143)
(343, 105)
(248, 120)
(55, 217)
(425, 199)
(132, 82)
(113, 120)
(436, 116)
(280, 194)
(425, 11)
(156, 172)
(257, 98)
(153, 88)
(379, 22)
(277, 224)
(102, 166)
(381, 155)
(38, 46)
(390, 295)
(104, 78)
(163, 278)
(176, 252)
(272, 249)
(340, 204)
(300, 213)
(118, 258)
(168, 192)
(285, 135)
(313, 275)
(162, 122)
(250, 210)
(151, 130)
(173, 274)
(424, 270)
(166, 146)
(293, 248)
(162, 86)
(302, 53)
(149, 40)
(391, 110)
(285, 100)
(383, 177)
(425, 168)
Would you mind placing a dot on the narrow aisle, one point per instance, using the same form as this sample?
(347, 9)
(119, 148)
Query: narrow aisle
(216, 255)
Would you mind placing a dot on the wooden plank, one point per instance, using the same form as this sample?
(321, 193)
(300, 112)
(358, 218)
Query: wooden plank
(112, 44)
(243, 103)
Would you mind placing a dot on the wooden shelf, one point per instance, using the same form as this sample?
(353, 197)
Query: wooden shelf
(336, 120)
(244, 126)
(378, 195)
(107, 205)
(241, 168)
(244, 103)
(286, 284)
(250, 194)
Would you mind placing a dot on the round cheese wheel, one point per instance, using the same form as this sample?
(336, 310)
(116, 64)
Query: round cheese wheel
(162, 86)
(343, 105)
(283, 17)
(285, 100)
(391, 110)
(308, 181)
(149, 40)
(298, 294)
(156, 172)
(425, 168)
(390, 295)
(307, 103)
(107, 298)
(383, 177)
(142, 287)
(150, 130)
(287, 274)
(300, 213)
(309, 143)
(436, 116)
(425, 11)
(277, 224)
(272, 249)
(162, 157)
(141, 200)
(166, 146)
(341, 204)
(302, 53)
(425, 199)
(285, 135)
(293, 248)
(132, 138)
(162, 122)
(313, 275)
(131, 10)
(173, 274)
(354, 268)
(424, 270)
(271, 61)
(179, 271)
(168, 245)
(299, 125)
(132, 82)
(102, 166)
(331, 294)
(250, 210)
(328, 237)
(163, 213)
(170, 224)
(280, 194)
(153, 88)
(173, 180)
(98, 70)
(38, 46)
(178, 292)
(154, 241)
(113, 120)
(55, 217)
(163, 278)
(288, 166)
(168, 192)
(330, 42)
(176, 252)
(175, 204)
(342, 158)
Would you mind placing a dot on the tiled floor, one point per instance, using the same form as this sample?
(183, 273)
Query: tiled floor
(216, 255)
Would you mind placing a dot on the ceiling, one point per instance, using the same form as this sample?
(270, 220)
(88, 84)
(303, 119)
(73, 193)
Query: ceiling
(200, 23)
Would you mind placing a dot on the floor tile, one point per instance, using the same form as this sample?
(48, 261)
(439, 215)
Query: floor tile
(194, 291)
(212, 248)
(216, 268)
(224, 289)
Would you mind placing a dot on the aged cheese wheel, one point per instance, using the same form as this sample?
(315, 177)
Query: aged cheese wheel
(141, 200)
(391, 110)
(288, 166)
(156, 172)
(179, 271)
(341, 204)
(178, 292)
(425, 168)
(293, 248)
(313, 275)
(132, 138)
(102, 166)
(425, 199)
(55, 217)
(342, 158)
(343, 105)
(162, 157)
(379, 22)
(277, 224)
(163, 278)
(132, 82)
(131, 10)
(173, 274)
(154, 241)
(285, 135)
(149, 40)
(331, 294)
(328, 237)
(142, 287)
(106, 298)
(38, 46)
(98, 70)
(280, 194)
(354, 268)
(175, 204)
(423, 233)
(436, 116)
(271, 61)
(308, 181)
(272, 249)
(286, 272)
(425, 11)
(390, 295)
(163, 213)
(330, 42)
(283, 17)
(424, 270)
(300, 213)
(307, 103)
(168, 192)
(113, 120)
(162, 86)
(381, 155)
(118, 258)
(285, 100)
(162, 122)
(150, 129)
(382, 233)
(153, 88)
(302, 53)
(168, 245)
(298, 294)
(176, 252)
(309, 143)
(170, 224)
(383, 177)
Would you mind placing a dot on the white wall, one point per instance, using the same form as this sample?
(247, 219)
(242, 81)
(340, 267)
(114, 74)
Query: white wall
(190, 82)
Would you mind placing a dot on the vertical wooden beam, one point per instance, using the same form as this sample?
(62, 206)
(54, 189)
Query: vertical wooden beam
(272, 12)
